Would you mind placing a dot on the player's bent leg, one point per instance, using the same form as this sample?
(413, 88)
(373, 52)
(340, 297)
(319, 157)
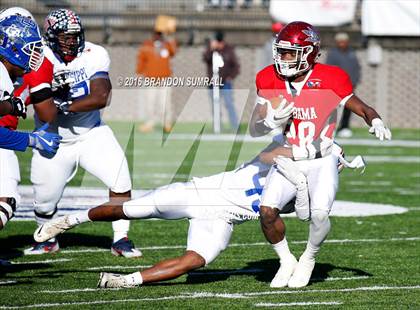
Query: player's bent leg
(165, 270)
(206, 239)
(7, 208)
(274, 230)
(272, 224)
(48, 191)
(173, 268)
(102, 156)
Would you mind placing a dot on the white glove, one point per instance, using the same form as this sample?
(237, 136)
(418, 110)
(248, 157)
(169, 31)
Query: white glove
(288, 168)
(63, 106)
(277, 117)
(380, 130)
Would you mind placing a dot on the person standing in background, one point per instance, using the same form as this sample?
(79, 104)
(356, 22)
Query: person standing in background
(267, 50)
(153, 61)
(344, 57)
(227, 72)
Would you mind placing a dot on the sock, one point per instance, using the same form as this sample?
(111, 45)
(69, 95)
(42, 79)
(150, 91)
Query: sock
(318, 231)
(282, 249)
(134, 278)
(79, 218)
(120, 229)
(311, 251)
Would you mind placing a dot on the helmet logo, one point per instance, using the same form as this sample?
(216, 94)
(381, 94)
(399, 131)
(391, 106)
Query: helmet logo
(312, 35)
(13, 31)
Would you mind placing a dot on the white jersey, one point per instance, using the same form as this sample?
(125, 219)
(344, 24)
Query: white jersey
(6, 84)
(9, 167)
(241, 188)
(92, 63)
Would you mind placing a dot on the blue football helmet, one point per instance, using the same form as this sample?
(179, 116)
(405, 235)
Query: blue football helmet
(20, 42)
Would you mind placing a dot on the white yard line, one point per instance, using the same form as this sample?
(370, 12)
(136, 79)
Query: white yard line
(293, 304)
(78, 290)
(47, 261)
(7, 282)
(200, 295)
(118, 267)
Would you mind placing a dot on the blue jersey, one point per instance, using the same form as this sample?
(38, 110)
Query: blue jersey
(13, 140)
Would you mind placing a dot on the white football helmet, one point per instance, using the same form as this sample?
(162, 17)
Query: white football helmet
(16, 11)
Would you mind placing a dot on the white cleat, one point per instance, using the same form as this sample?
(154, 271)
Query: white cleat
(302, 273)
(113, 280)
(52, 228)
(287, 266)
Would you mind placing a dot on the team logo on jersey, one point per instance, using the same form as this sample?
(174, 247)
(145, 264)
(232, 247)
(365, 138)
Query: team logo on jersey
(312, 35)
(314, 83)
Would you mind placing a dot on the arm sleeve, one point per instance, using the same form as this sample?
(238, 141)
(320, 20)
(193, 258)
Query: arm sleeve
(101, 65)
(39, 82)
(13, 140)
(343, 87)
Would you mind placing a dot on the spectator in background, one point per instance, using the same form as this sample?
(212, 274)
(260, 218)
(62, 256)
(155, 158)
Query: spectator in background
(227, 73)
(153, 61)
(267, 52)
(344, 57)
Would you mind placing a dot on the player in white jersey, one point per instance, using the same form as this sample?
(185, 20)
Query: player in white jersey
(82, 88)
(20, 52)
(212, 204)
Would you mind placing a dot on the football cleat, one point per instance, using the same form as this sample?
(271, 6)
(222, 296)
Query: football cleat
(42, 248)
(302, 273)
(52, 228)
(113, 280)
(287, 266)
(125, 247)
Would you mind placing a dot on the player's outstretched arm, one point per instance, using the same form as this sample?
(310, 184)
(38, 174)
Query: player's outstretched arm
(100, 93)
(371, 117)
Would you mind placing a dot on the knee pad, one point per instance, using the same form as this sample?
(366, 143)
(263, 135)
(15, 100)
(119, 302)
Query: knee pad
(7, 208)
(320, 222)
(319, 217)
(46, 210)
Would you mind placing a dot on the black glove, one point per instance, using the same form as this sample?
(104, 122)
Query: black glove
(18, 106)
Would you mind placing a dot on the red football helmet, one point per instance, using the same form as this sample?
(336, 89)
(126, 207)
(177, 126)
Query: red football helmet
(300, 40)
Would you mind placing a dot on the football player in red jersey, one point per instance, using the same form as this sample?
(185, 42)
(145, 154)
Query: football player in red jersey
(315, 91)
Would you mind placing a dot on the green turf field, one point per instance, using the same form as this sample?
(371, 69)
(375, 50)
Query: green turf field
(367, 262)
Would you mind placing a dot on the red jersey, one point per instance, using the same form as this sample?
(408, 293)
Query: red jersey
(317, 98)
(35, 84)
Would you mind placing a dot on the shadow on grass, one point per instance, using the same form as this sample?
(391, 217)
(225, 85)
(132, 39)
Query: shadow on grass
(11, 247)
(264, 271)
